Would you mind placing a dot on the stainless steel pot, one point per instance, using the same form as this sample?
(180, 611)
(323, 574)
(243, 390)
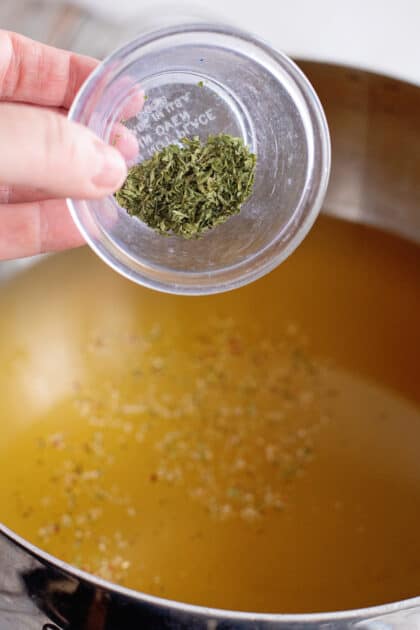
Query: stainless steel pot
(375, 127)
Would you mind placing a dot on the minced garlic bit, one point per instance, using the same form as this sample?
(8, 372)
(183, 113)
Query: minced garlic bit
(230, 421)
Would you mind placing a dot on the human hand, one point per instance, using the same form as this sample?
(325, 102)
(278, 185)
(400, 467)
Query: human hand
(44, 157)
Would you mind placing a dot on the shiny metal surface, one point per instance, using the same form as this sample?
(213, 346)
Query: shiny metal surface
(375, 128)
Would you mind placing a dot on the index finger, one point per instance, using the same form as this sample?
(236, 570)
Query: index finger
(32, 72)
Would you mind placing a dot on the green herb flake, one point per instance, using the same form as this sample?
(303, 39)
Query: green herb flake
(233, 492)
(200, 84)
(189, 189)
(115, 140)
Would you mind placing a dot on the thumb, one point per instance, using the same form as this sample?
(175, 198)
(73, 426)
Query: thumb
(41, 148)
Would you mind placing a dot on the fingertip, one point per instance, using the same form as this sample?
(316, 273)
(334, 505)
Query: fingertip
(125, 141)
(134, 105)
(112, 170)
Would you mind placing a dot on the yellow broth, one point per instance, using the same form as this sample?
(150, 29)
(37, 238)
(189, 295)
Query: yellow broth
(257, 450)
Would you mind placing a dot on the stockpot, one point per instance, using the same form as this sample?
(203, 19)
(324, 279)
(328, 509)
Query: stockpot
(375, 129)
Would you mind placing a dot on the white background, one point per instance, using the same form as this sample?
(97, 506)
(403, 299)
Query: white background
(373, 34)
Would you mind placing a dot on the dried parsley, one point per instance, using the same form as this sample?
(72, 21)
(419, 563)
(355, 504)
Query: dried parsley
(188, 189)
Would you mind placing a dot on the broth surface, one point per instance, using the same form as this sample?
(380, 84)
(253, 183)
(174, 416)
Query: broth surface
(257, 450)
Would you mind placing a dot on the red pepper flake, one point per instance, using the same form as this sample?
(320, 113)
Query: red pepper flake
(235, 345)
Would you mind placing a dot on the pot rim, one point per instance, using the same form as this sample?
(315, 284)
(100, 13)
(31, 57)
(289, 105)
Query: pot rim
(203, 611)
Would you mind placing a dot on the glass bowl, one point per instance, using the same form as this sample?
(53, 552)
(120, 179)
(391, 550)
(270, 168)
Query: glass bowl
(202, 79)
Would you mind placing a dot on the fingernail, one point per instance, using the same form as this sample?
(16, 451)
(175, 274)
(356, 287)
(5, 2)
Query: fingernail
(113, 169)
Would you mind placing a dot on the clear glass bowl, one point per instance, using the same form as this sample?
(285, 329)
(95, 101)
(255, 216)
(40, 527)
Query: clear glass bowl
(204, 79)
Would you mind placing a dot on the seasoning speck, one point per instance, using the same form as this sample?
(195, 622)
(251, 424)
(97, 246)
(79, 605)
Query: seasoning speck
(189, 189)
